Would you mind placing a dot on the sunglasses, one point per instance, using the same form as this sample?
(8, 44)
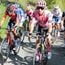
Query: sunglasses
(40, 8)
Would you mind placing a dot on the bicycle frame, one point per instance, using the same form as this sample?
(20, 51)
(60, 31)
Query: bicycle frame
(9, 39)
(11, 35)
(44, 47)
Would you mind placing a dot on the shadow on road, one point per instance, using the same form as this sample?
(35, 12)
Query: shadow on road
(28, 47)
(17, 60)
(1, 60)
(58, 56)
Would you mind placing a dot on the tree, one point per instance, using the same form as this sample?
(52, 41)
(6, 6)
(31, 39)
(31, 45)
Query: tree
(0, 1)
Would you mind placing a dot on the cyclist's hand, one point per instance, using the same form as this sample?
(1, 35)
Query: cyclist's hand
(15, 26)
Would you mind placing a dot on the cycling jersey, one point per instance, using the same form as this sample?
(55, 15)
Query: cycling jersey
(18, 13)
(57, 14)
(43, 19)
(21, 16)
(13, 16)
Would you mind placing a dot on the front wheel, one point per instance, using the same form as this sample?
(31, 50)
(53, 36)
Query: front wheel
(17, 45)
(5, 49)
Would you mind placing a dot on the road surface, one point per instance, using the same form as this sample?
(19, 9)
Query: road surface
(25, 55)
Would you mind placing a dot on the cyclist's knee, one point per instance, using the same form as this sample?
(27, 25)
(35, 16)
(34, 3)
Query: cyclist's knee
(49, 38)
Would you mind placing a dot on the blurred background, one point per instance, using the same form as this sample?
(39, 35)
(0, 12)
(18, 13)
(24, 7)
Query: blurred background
(23, 3)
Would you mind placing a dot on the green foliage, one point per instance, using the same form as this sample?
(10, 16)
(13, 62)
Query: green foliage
(51, 3)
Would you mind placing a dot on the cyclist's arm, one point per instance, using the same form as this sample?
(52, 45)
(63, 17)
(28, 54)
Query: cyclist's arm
(17, 21)
(17, 17)
(3, 19)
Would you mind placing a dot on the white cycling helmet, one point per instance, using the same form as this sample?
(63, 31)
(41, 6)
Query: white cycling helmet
(56, 7)
(41, 3)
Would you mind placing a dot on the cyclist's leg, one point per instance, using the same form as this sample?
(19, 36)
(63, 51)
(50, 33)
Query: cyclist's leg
(10, 24)
(58, 25)
(53, 25)
(50, 28)
(37, 39)
(11, 27)
(49, 32)
(48, 42)
(20, 24)
(61, 25)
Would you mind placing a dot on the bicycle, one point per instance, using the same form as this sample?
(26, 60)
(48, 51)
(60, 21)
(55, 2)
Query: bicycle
(7, 47)
(41, 54)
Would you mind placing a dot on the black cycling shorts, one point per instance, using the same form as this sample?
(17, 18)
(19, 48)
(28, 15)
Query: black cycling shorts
(11, 24)
(42, 30)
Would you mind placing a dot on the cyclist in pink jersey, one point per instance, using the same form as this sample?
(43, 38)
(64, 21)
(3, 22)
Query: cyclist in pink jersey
(42, 17)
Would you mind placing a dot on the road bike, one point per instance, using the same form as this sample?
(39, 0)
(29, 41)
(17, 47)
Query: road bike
(7, 47)
(41, 54)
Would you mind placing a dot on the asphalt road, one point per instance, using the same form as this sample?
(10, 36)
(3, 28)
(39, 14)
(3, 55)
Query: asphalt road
(25, 55)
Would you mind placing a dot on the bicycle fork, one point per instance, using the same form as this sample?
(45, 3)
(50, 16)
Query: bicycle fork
(9, 39)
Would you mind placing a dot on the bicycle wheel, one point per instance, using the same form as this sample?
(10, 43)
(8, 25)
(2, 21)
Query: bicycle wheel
(22, 35)
(36, 58)
(1, 59)
(17, 45)
(5, 49)
(34, 55)
(44, 58)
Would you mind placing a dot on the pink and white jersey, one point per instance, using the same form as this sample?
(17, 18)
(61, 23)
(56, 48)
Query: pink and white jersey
(42, 20)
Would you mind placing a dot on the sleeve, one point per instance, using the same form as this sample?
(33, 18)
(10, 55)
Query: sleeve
(6, 14)
(49, 15)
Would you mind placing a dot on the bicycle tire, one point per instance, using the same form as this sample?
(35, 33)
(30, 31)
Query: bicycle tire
(5, 50)
(22, 36)
(1, 59)
(36, 59)
(44, 56)
(45, 60)
(17, 45)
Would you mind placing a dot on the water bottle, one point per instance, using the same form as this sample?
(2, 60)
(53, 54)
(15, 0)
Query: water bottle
(37, 57)
(49, 55)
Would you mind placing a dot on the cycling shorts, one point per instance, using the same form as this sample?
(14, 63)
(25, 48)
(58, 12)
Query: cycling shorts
(56, 19)
(11, 24)
(42, 30)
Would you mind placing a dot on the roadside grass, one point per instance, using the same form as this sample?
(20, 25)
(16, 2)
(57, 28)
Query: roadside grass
(2, 31)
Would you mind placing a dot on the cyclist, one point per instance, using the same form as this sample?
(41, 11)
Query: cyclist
(43, 20)
(63, 18)
(17, 17)
(57, 14)
(29, 12)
